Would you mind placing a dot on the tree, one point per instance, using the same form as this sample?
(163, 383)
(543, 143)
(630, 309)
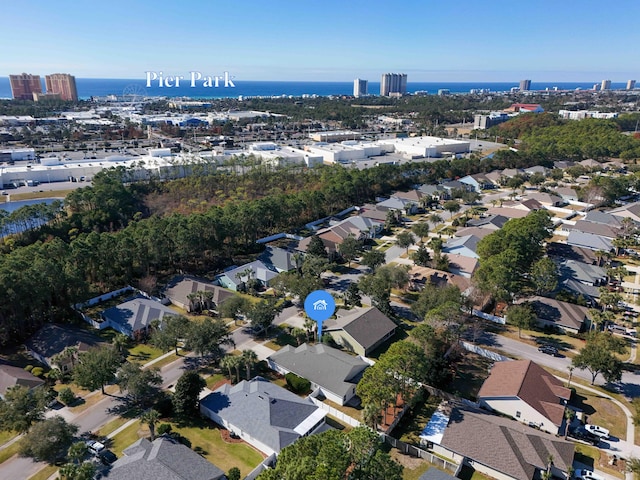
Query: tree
(421, 257)
(435, 219)
(352, 296)
(77, 452)
(233, 307)
(250, 358)
(120, 342)
(421, 229)
(234, 474)
(48, 440)
(167, 333)
(262, 315)
(313, 266)
(83, 471)
(452, 207)
(96, 367)
(544, 276)
(633, 465)
(373, 259)
(22, 407)
(350, 248)
(405, 240)
(66, 396)
(316, 247)
(597, 356)
(207, 337)
(140, 385)
(151, 417)
(522, 316)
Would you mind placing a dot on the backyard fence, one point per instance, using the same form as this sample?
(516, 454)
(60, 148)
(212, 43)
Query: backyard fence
(488, 316)
(496, 357)
(266, 463)
(343, 417)
(420, 453)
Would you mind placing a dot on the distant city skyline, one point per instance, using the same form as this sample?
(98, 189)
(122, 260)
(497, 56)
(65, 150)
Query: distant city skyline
(463, 41)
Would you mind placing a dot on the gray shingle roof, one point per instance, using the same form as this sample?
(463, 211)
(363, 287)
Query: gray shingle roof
(560, 313)
(328, 367)
(581, 272)
(11, 376)
(367, 326)
(261, 409)
(278, 258)
(435, 474)
(504, 445)
(164, 459)
(53, 339)
(605, 218)
(180, 287)
(137, 314)
(589, 240)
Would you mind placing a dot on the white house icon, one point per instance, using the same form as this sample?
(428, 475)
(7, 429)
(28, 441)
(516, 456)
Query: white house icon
(320, 305)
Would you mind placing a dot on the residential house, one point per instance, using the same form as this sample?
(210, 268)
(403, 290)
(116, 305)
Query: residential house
(631, 210)
(11, 376)
(494, 176)
(263, 414)
(162, 459)
(360, 330)
(591, 164)
(565, 316)
(479, 232)
(507, 212)
(407, 207)
(419, 277)
(465, 246)
(536, 169)
(462, 265)
(511, 172)
(279, 259)
(133, 317)
(579, 254)
(455, 185)
(526, 205)
(51, 339)
(478, 182)
(567, 194)
(563, 164)
(333, 372)
(360, 227)
(370, 211)
(582, 278)
(490, 222)
(435, 191)
(604, 218)
(526, 392)
(496, 446)
(187, 292)
(589, 240)
(414, 196)
(235, 278)
(600, 229)
(546, 199)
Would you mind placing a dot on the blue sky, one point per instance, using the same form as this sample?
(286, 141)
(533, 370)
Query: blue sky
(493, 40)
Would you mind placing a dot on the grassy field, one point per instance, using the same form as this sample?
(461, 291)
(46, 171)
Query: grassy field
(601, 411)
(7, 453)
(207, 440)
(36, 195)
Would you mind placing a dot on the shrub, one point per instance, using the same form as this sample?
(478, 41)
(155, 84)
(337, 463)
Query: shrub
(66, 396)
(234, 473)
(164, 428)
(37, 371)
(28, 368)
(297, 384)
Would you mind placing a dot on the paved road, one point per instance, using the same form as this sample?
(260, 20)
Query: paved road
(629, 385)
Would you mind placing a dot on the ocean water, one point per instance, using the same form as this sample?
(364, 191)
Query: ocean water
(95, 87)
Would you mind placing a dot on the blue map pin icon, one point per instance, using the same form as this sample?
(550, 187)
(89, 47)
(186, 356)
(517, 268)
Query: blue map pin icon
(319, 306)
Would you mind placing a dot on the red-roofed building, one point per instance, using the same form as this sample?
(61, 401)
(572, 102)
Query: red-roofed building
(525, 108)
(525, 391)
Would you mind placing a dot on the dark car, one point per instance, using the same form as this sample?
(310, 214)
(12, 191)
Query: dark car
(107, 457)
(549, 350)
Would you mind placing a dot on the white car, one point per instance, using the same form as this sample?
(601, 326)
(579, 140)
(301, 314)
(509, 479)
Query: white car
(95, 447)
(585, 474)
(597, 431)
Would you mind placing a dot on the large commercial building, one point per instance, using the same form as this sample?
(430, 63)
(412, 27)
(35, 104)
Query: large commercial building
(360, 87)
(23, 86)
(606, 85)
(392, 84)
(62, 84)
(525, 85)
(631, 84)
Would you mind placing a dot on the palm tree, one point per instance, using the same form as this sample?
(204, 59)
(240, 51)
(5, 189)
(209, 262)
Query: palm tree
(151, 417)
(227, 363)
(308, 326)
(435, 219)
(371, 415)
(193, 303)
(237, 362)
(249, 358)
(120, 342)
(568, 416)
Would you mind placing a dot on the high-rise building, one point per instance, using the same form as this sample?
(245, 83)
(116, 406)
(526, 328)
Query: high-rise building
(525, 85)
(631, 84)
(360, 87)
(606, 85)
(63, 84)
(393, 83)
(25, 85)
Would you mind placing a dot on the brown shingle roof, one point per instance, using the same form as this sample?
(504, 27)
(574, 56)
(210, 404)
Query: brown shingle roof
(504, 445)
(563, 314)
(529, 382)
(11, 376)
(367, 326)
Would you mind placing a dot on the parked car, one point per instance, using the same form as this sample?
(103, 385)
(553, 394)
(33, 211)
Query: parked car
(107, 457)
(582, 434)
(597, 431)
(95, 447)
(585, 474)
(549, 350)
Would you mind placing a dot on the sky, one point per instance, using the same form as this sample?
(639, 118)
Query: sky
(328, 40)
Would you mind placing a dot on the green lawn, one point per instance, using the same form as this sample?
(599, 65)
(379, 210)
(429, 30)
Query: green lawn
(6, 436)
(415, 473)
(7, 453)
(207, 440)
(126, 437)
(602, 411)
(213, 379)
(45, 473)
(143, 353)
(112, 426)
